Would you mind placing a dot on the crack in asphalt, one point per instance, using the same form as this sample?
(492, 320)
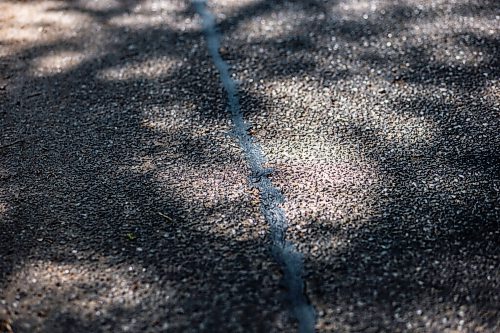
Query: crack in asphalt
(284, 252)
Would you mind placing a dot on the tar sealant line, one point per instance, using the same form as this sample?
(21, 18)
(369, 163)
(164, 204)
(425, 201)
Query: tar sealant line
(270, 197)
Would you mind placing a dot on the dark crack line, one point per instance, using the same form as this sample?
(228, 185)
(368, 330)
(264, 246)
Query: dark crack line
(283, 251)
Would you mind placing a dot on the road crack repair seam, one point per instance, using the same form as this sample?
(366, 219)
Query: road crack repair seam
(283, 251)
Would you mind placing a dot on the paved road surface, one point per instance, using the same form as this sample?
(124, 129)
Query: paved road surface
(125, 205)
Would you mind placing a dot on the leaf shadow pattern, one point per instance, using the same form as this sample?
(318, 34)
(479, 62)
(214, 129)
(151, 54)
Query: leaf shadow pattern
(90, 170)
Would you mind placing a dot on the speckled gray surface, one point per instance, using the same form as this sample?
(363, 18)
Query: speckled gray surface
(125, 206)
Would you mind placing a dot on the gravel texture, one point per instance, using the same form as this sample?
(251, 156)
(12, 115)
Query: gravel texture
(125, 206)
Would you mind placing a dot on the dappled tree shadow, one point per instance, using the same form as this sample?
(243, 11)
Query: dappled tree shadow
(87, 177)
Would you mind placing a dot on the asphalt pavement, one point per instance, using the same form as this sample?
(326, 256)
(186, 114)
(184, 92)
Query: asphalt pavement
(131, 200)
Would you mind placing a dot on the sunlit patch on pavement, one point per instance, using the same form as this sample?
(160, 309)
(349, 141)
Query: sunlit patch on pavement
(57, 62)
(148, 69)
(78, 289)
